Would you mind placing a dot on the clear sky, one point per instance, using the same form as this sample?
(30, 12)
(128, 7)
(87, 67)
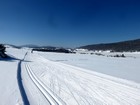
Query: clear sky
(68, 23)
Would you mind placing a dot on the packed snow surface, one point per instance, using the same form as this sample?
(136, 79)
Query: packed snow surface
(126, 68)
(70, 79)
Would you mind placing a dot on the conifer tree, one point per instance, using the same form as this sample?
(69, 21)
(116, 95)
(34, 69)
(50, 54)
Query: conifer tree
(2, 51)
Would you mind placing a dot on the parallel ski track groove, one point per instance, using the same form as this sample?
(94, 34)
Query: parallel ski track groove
(46, 93)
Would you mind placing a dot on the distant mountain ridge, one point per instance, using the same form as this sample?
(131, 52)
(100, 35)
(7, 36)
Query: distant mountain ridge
(30, 46)
(130, 45)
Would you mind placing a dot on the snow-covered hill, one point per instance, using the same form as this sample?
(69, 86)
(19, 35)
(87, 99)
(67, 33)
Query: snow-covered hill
(41, 78)
(129, 45)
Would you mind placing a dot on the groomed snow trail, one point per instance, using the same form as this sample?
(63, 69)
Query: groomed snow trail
(61, 83)
(49, 96)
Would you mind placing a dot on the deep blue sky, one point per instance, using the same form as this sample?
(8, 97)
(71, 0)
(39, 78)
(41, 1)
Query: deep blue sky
(68, 23)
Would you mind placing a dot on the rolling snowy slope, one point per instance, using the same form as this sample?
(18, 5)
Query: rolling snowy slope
(9, 90)
(68, 79)
(77, 86)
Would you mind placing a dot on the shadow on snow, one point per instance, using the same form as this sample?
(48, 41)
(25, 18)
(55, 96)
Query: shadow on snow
(20, 84)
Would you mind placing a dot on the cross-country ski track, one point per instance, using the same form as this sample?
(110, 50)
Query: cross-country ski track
(52, 100)
(45, 82)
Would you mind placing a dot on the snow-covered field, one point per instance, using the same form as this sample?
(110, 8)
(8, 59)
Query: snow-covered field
(9, 90)
(126, 68)
(69, 79)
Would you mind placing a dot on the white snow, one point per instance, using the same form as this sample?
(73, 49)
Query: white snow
(126, 68)
(71, 79)
(9, 90)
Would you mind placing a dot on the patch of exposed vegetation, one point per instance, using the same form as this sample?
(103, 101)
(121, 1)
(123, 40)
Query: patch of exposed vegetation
(2, 51)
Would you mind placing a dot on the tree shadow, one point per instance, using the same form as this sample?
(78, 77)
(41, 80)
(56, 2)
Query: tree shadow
(20, 84)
